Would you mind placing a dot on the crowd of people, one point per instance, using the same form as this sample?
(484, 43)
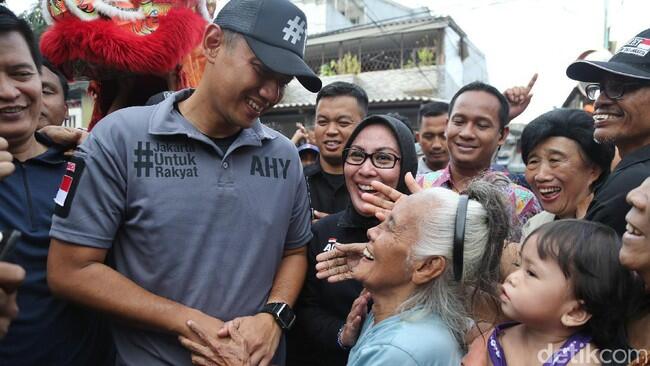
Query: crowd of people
(185, 231)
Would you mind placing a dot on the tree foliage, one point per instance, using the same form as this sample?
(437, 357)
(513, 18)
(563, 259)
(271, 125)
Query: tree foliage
(35, 19)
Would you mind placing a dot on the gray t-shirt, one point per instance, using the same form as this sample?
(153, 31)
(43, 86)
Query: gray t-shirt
(423, 168)
(183, 220)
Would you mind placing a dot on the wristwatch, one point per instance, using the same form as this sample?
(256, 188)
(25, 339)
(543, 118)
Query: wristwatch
(282, 313)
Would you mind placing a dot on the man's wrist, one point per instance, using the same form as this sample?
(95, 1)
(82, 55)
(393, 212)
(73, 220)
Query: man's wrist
(281, 313)
(269, 318)
(179, 323)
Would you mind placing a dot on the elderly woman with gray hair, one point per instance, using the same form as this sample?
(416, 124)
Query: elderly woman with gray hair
(428, 266)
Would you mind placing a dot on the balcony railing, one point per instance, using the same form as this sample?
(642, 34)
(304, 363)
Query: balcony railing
(354, 61)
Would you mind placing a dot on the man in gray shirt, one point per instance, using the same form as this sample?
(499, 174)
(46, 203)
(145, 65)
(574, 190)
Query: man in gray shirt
(433, 117)
(204, 209)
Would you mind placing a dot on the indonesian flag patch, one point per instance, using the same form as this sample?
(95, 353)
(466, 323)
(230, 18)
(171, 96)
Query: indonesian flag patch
(637, 46)
(68, 186)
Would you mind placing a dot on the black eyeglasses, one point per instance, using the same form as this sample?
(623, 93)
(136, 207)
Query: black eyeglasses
(380, 159)
(613, 90)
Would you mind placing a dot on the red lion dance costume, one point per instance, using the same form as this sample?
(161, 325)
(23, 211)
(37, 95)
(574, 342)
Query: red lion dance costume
(130, 50)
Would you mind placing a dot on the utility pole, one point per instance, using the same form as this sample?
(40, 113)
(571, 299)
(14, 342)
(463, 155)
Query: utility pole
(606, 25)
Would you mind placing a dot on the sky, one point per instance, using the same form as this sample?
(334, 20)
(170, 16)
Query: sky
(521, 37)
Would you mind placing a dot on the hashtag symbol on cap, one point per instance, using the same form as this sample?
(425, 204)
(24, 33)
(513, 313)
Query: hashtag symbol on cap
(294, 30)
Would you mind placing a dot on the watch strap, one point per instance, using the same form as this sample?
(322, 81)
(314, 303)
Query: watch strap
(282, 313)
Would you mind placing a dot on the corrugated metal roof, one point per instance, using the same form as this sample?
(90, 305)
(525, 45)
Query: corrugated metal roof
(371, 101)
(381, 86)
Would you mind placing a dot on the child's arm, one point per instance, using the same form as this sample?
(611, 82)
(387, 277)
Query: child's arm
(477, 354)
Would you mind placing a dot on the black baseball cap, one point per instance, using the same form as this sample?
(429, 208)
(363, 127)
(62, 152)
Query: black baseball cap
(631, 60)
(308, 147)
(276, 32)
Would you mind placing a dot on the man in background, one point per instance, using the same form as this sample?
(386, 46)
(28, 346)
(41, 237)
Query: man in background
(340, 106)
(433, 117)
(55, 93)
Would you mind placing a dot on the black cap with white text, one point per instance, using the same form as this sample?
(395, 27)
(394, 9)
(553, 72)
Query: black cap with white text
(632, 60)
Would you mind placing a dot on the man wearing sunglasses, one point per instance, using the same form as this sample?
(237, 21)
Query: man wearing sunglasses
(621, 91)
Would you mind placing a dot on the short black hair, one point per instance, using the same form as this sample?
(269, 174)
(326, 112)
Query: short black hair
(405, 120)
(432, 109)
(9, 22)
(231, 37)
(342, 88)
(587, 254)
(62, 79)
(574, 124)
(504, 107)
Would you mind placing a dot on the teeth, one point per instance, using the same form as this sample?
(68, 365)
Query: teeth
(368, 255)
(255, 106)
(332, 144)
(11, 109)
(366, 188)
(603, 116)
(632, 230)
(549, 190)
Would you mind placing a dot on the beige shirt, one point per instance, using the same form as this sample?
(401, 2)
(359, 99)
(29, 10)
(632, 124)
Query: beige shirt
(535, 222)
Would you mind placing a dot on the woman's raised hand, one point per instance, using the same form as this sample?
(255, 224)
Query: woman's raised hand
(337, 264)
(354, 321)
(381, 206)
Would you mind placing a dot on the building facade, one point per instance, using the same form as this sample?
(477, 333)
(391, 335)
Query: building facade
(400, 62)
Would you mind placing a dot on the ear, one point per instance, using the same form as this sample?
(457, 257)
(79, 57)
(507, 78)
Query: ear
(594, 173)
(417, 136)
(212, 41)
(503, 135)
(577, 316)
(428, 269)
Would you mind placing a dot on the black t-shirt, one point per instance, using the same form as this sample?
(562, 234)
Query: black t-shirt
(609, 205)
(334, 180)
(225, 142)
(327, 191)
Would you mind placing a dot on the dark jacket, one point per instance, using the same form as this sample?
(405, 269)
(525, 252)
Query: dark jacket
(48, 330)
(327, 192)
(322, 307)
(609, 205)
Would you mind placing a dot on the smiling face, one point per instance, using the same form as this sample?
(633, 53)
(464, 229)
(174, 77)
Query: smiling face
(385, 266)
(336, 118)
(54, 108)
(537, 293)
(624, 121)
(635, 252)
(240, 86)
(474, 132)
(20, 89)
(374, 138)
(560, 176)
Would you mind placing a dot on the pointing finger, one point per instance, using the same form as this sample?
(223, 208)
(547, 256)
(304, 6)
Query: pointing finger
(532, 81)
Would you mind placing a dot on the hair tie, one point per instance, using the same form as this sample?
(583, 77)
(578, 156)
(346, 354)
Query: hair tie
(459, 236)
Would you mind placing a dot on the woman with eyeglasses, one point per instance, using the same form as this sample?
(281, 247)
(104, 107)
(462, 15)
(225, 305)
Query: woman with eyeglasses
(380, 149)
